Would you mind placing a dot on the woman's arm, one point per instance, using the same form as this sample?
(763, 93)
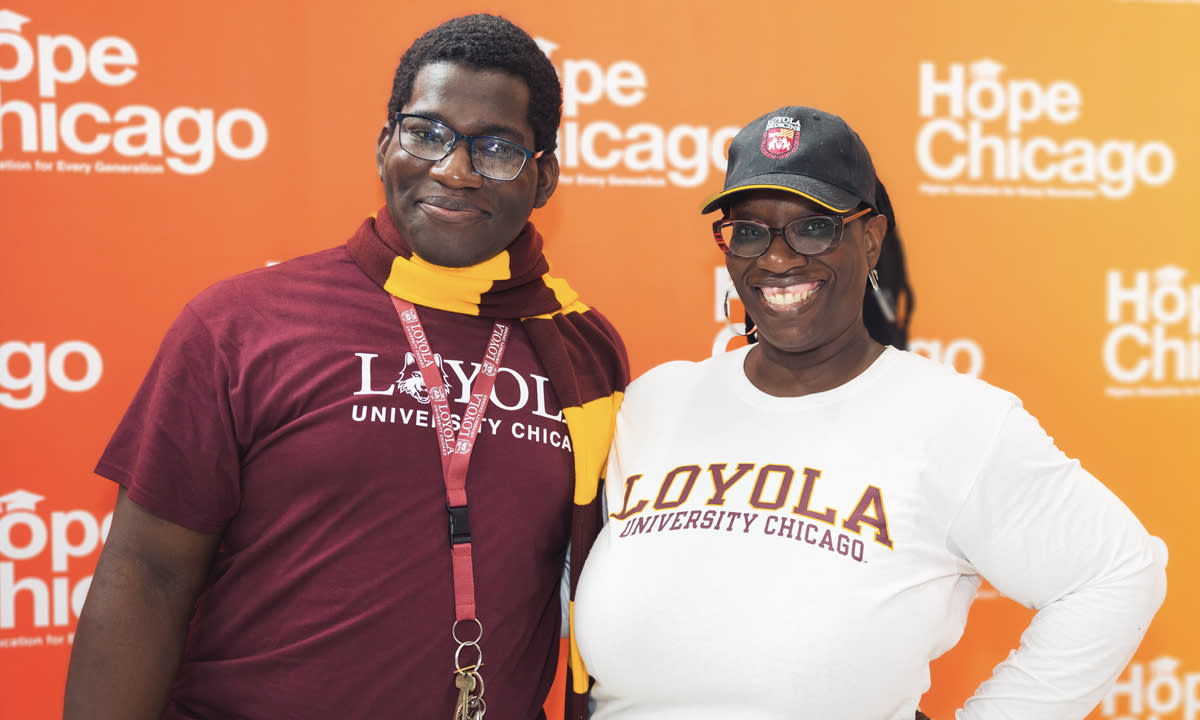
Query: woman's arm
(1047, 534)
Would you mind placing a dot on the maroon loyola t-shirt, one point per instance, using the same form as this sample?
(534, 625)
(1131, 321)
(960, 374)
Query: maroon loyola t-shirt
(284, 412)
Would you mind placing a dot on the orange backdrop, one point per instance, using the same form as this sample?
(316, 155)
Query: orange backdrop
(1042, 158)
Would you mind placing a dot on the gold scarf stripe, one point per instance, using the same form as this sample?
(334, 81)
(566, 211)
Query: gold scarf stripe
(591, 429)
(461, 290)
(457, 290)
(591, 434)
(579, 675)
(567, 297)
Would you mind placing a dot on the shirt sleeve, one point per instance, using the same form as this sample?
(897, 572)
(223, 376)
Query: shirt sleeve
(175, 449)
(1047, 534)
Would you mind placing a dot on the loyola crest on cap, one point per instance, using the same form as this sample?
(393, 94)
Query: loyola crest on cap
(804, 151)
(780, 139)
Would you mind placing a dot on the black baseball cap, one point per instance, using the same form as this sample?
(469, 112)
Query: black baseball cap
(802, 150)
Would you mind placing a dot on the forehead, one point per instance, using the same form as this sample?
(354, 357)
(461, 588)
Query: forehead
(764, 203)
(473, 101)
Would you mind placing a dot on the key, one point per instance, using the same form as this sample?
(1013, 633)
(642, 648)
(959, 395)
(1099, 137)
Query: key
(478, 706)
(465, 682)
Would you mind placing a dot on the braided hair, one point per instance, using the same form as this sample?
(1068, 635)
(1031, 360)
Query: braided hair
(888, 312)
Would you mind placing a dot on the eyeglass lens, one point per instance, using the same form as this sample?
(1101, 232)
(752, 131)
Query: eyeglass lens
(810, 235)
(491, 157)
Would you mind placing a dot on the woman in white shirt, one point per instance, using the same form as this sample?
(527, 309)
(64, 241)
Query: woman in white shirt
(798, 527)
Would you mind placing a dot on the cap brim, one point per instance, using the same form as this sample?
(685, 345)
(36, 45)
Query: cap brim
(823, 194)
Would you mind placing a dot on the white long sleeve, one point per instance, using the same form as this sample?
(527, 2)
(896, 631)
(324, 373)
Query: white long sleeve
(806, 558)
(1046, 534)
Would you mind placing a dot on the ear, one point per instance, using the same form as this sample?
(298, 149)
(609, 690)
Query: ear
(386, 133)
(547, 179)
(874, 229)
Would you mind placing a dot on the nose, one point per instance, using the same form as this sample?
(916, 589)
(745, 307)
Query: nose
(781, 255)
(456, 170)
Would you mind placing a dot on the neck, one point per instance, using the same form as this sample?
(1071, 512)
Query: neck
(512, 284)
(792, 374)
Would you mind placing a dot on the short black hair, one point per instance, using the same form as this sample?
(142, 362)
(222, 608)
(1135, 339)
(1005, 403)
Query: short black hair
(487, 42)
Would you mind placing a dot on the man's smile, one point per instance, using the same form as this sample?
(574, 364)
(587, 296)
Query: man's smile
(452, 209)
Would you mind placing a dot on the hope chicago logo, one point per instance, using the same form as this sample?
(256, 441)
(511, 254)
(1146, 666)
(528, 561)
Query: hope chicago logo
(979, 132)
(643, 153)
(26, 369)
(1166, 691)
(187, 139)
(1153, 342)
(29, 535)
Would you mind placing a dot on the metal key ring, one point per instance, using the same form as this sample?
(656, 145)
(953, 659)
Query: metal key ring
(458, 658)
(454, 632)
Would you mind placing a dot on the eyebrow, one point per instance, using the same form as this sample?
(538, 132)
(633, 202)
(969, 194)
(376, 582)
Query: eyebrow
(494, 130)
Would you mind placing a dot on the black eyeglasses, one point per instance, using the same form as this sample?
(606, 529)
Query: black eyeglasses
(491, 157)
(807, 235)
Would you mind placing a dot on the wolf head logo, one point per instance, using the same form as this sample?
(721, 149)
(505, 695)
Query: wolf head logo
(411, 382)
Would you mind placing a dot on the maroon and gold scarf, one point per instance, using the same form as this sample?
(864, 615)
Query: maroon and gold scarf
(581, 352)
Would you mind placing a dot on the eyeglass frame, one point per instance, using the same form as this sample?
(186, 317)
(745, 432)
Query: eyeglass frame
(841, 220)
(529, 154)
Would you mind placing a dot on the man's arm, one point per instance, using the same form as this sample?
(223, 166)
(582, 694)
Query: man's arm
(133, 626)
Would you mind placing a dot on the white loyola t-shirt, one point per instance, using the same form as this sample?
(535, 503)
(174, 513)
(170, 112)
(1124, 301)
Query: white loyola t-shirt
(807, 557)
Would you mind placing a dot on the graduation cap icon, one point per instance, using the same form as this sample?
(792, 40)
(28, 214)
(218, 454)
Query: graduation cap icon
(11, 21)
(986, 69)
(1169, 276)
(19, 500)
(1165, 665)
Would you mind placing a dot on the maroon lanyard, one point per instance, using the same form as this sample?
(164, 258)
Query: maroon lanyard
(456, 455)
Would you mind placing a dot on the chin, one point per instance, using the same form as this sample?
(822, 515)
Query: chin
(447, 261)
(448, 249)
(787, 344)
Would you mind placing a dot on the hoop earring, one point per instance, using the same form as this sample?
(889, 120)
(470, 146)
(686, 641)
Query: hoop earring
(738, 329)
(881, 297)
